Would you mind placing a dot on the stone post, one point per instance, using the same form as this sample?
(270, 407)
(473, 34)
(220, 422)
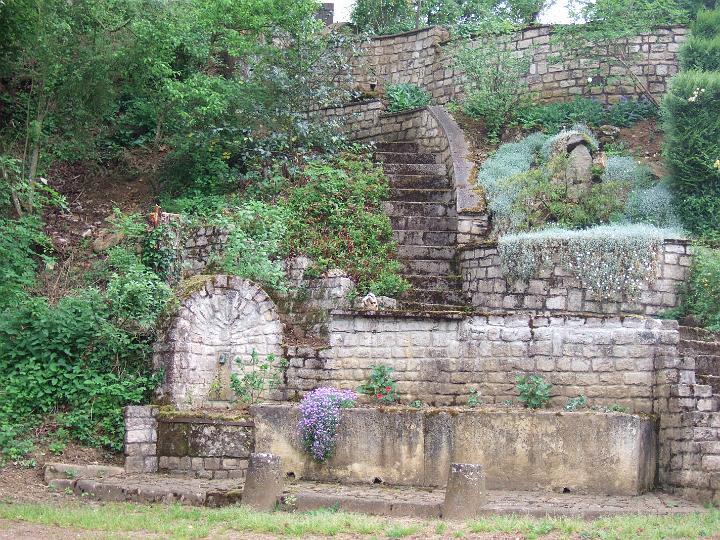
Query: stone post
(141, 439)
(263, 482)
(465, 494)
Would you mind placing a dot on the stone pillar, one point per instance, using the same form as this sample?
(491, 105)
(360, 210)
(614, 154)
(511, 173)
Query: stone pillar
(465, 494)
(141, 439)
(263, 482)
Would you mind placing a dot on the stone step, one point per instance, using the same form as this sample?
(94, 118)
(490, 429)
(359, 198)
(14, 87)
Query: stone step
(422, 306)
(426, 252)
(404, 157)
(425, 238)
(397, 147)
(423, 209)
(444, 196)
(418, 181)
(424, 296)
(447, 282)
(435, 169)
(427, 266)
(404, 222)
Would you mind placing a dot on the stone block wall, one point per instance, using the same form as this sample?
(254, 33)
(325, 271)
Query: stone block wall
(200, 244)
(556, 290)
(204, 446)
(438, 359)
(141, 439)
(424, 58)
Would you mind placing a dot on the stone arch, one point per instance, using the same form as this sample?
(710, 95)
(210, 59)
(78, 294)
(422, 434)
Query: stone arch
(225, 318)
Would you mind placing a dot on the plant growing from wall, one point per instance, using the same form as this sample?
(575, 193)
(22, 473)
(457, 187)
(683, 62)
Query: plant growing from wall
(406, 96)
(320, 416)
(609, 260)
(380, 386)
(576, 403)
(257, 376)
(534, 391)
(474, 398)
(700, 294)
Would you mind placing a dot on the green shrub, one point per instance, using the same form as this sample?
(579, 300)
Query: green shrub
(701, 293)
(626, 169)
(707, 24)
(496, 88)
(691, 112)
(654, 205)
(406, 96)
(534, 391)
(701, 53)
(554, 117)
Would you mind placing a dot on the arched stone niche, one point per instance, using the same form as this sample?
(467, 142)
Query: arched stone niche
(224, 320)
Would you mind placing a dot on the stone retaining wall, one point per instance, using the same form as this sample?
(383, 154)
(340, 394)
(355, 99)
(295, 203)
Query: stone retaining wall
(518, 450)
(141, 439)
(204, 446)
(439, 359)
(424, 58)
(556, 290)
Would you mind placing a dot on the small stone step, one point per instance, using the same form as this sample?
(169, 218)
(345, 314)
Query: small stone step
(421, 306)
(422, 195)
(425, 238)
(418, 181)
(440, 283)
(424, 209)
(435, 169)
(424, 296)
(401, 223)
(397, 147)
(404, 157)
(426, 252)
(427, 266)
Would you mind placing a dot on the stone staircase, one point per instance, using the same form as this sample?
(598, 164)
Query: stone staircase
(424, 221)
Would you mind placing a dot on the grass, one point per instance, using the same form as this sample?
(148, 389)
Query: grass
(175, 521)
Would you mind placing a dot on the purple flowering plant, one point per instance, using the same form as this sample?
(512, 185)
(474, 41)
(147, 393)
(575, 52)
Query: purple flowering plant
(320, 412)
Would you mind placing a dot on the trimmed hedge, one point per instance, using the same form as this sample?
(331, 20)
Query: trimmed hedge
(691, 112)
(707, 24)
(701, 53)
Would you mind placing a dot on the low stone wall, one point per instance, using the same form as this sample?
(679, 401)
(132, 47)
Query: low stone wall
(519, 450)
(556, 290)
(204, 446)
(439, 359)
(199, 247)
(141, 439)
(424, 57)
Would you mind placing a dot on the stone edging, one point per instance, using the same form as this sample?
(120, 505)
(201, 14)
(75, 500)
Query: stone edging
(493, 244)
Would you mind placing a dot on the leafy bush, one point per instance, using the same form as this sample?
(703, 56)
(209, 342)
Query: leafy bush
(257, 376)
(554, 117)
(534, 391)
(626, 169)
(701, 293)
(320, 415)
(406, 96)
(609, 260)
(706, 24)
(701, 51)
(496, 87)
(653, 205)
(691, 113)
(380, 386)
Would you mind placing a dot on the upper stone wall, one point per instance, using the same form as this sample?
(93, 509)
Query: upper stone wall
(424, 57)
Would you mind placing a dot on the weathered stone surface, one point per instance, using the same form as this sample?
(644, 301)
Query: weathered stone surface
(66, 471)
(264, 482)
(520, 449)
(578, 172)
(465, 493)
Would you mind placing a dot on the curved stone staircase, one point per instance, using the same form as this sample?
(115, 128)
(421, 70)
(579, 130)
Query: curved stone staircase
(424, 220)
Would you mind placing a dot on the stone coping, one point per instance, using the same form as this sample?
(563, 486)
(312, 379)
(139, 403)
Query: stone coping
(401, 113)
(494, 243)
(191, 419)
(460, 315)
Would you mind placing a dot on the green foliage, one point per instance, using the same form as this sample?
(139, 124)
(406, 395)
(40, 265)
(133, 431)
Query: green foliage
(337, 220)
(383, 16)
(534, 391)
(554, 117)
(496, 89)
(474, 398)
(702, 49)
(706, 24)
(701, 293)
(406, 96)
(257, 376)
(653, 205)
(609, 260)
(380, 386)
(576, 403)
(691, 112)
(417, 404)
